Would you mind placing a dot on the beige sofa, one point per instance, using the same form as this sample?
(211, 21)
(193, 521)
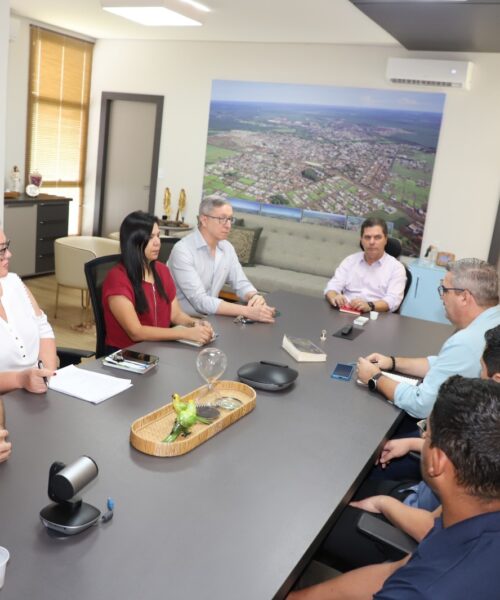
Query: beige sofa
(296, 257)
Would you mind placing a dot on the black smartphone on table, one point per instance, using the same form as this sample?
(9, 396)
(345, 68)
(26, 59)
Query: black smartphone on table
(137, 357)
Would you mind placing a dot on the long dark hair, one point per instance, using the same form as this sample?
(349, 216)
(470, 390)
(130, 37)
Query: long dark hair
(135, 233)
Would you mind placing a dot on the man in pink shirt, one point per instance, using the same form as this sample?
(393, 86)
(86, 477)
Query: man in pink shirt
(368, 280)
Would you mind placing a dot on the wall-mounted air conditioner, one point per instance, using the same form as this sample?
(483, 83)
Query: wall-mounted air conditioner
(440, 73)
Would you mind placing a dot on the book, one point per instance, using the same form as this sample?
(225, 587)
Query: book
(129, 360)
(397, 378)
(193, 343)
(401, 378)
(303, 350)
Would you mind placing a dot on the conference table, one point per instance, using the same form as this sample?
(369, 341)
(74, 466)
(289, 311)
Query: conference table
(239, 516)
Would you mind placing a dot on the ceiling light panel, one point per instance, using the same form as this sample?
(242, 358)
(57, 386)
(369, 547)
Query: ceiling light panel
(157, 13)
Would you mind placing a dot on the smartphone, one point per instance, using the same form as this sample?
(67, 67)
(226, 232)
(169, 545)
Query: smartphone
(343, 371)
(138, 357)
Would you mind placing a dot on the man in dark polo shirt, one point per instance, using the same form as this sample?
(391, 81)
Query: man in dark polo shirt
(458, 559)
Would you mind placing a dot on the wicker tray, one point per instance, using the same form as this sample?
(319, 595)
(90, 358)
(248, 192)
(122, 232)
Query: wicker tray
(147, 432)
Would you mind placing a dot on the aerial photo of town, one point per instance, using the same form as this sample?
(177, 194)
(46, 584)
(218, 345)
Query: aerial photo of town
(324, 155)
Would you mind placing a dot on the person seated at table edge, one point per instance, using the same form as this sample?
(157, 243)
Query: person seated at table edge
(203, 261)
(410, 507)
(461, 462)
(26, 336)
(5, 446)
(469, 292)
(138, 294)
(368, 280)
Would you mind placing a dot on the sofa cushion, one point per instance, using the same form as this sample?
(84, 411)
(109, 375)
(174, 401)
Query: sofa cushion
(302, 247)
(244, 240)
(272, 279)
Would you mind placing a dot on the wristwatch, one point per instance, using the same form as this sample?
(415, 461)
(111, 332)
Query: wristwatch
(371, 305)
(372, 383)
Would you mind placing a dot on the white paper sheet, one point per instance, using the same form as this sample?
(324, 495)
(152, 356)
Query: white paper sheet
(87, 385)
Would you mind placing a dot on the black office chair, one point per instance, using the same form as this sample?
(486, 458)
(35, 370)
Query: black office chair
(383, 532)
(95, 273)
(167, 243)
(72, 356)
(394, 249)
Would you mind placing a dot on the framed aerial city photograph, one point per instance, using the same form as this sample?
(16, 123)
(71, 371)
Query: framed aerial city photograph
(324, 154)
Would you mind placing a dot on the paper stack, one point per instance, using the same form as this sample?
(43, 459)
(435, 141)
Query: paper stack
(87, 385)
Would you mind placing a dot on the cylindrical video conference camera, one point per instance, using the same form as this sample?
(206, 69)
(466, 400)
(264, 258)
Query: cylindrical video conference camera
(68, 481)
(69, 514)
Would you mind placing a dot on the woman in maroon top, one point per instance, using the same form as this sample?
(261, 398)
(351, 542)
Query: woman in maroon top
(138, 294)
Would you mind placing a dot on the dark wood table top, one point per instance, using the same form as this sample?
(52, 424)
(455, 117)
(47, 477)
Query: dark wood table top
(239, 516)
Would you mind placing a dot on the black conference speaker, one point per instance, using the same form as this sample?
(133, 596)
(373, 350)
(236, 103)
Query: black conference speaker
(267, 375)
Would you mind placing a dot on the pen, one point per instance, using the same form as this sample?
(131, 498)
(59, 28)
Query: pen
(45, 380)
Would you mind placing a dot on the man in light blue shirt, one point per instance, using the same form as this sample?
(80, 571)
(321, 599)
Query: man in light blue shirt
(470, 296)
(203, 261)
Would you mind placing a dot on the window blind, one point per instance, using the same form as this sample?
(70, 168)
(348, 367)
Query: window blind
(58, 104)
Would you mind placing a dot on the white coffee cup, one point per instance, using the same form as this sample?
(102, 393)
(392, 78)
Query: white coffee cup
(4, 557)
(373, 315)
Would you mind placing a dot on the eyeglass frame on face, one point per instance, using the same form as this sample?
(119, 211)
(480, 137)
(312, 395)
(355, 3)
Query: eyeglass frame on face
(3, 250)
(422, 427)
(222, 220)
(442, 290)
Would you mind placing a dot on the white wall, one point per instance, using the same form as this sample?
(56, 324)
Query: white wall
(466, 183)
(4, 51)
(17, 101)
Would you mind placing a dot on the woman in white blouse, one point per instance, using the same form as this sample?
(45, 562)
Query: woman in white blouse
(26, 336)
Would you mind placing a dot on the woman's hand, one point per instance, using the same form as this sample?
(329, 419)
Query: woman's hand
(201, 332)
(33, 380)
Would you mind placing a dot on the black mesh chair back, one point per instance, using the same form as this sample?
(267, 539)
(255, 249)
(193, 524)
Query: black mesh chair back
(167, 243)
(394, 248)
(407, 284)
(95, 272)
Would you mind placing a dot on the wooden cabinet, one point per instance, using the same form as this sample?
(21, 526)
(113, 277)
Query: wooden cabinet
(422, 300)
(52, 223)
(33, 225)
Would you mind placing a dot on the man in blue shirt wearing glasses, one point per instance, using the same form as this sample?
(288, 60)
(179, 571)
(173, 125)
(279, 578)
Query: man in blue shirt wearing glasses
(470, 296)
(204, 261)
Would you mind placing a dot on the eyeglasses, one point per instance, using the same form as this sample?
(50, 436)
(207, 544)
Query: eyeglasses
(422, 426)
(4, 248)
(222, 220)
(443, 290)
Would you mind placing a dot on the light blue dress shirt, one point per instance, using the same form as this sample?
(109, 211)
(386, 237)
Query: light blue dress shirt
(459, 355)
(199, 276)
